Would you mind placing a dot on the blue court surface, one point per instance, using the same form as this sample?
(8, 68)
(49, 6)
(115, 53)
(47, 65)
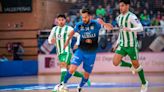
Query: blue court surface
(100, 83)
(25, 87)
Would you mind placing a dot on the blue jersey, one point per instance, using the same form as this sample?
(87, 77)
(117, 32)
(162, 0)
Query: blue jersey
(88, 31)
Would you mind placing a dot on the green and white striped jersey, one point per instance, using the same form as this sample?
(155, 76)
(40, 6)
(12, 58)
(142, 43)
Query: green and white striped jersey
(61, 34)
(128, 38)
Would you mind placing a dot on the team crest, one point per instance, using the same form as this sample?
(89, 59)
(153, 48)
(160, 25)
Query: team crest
(82, 27)
(92, 27)
(137, 20)
(121, 27)
(59, 35)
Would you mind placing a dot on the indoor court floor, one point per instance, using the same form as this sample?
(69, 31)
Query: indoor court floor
(124, 82)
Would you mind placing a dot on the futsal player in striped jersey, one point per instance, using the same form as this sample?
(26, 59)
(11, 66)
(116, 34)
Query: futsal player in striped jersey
(127, 43)
(58, 36)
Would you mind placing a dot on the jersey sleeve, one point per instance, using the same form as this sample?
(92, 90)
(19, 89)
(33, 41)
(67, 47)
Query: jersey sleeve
(98, 25)
(117, 18)
(70, 29)
(77, 35)
(137, 24)
(52, 35)
(76, 28)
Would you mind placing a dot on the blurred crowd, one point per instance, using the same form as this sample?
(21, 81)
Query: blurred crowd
(148, 11)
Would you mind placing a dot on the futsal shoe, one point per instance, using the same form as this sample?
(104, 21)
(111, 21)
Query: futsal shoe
(144, 87)
(79, 89)
(89, 82)
(56, 88)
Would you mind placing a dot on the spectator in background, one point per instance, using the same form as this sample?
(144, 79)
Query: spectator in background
(77, 18)
(137, 9)
(92, 9)
(18, 51)
(145, 18)
(159, 17)
(109, 9)
(113, 21)
(162, 24)
(54, 22)
(68, 21)
(100, 11)
(155, 22)
(146, 6)
(152, 15)
(3, 58)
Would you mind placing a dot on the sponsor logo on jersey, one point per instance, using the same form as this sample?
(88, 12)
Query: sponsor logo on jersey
(88, 35)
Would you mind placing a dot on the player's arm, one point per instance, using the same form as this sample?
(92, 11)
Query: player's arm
(107, 26)
(69, 38)
(51, 38)
(137, 25)
(77, 35)
(115, 45)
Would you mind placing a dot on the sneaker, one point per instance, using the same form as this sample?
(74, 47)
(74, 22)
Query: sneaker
(144, 87)
(56, 88)
(133, 70)
(89, 82)
(79, 89)
(63, 88)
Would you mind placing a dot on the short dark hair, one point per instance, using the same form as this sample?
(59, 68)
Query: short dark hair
(61, 16)
(125, 1)
(85, 10)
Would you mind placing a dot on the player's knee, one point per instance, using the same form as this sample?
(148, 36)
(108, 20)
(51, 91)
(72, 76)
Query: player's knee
(72, 69)
(63, 65)
(135, 64)
(86, 75)
(115, 62)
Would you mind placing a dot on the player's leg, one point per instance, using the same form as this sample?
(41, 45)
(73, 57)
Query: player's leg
(63, 68)
(63, 65)
(73, 67)
(133, 53)
(119, 54)
(84, 80)
(69, 73)
(75, 62)
(68, 60)
(89, 59)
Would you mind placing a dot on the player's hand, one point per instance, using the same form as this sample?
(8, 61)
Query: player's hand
(108, 26)
(100, 21)
(114, 48)
(75, 47)
(53, 41)
(66, 44)
(126, 29)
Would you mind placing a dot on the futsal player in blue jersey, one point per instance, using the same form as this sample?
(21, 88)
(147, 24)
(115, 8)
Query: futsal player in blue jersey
(86, 52)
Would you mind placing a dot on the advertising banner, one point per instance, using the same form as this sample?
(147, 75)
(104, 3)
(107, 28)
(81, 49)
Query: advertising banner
(151, 62)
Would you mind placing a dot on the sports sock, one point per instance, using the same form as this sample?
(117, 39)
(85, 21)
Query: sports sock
(62, 75)
(78, 74)
(83, 81)
(67, 76)
(141, 74)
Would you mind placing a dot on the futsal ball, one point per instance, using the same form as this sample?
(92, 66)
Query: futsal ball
(63, 89)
